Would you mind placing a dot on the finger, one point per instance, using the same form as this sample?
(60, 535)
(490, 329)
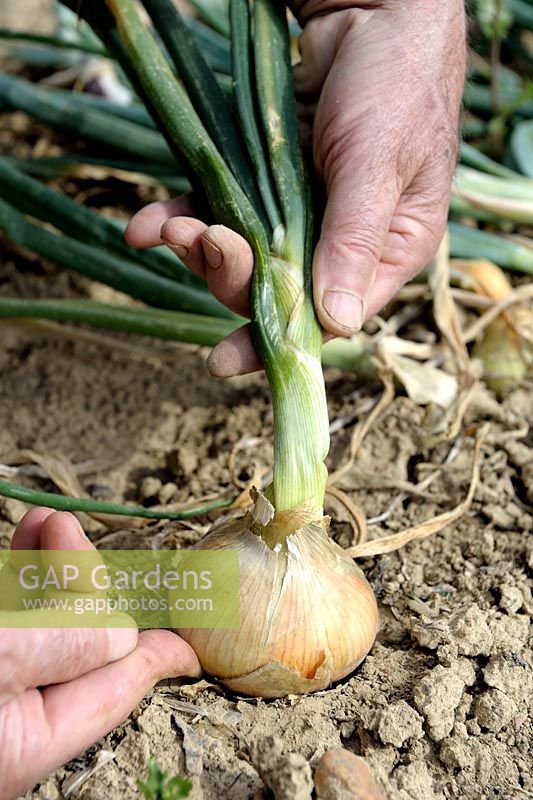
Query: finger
(47, 529)
(229, 267)
(357, 160)
(390, 278)
(61, 531)
(62, 721)
(27, 535)
(37, 656)
(354, 230)
(143, 229)
(234, 355)
(416, 231)
(184, 237)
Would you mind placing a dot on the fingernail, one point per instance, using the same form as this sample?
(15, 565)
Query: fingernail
(345, 308)
(178, 249)
(213, 254)
(80, 532)
(122, 640)
(74, 526)
(220, 361)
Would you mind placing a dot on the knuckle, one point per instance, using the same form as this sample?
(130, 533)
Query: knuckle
(82, 647)
(151, 669)
(413, 243)
(350, 239)
(338, 131)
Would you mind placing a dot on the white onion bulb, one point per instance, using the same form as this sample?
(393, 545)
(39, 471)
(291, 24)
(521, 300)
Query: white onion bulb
(308, 615)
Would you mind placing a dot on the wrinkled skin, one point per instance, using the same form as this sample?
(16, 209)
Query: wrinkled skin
(62, 689)
(388, 77)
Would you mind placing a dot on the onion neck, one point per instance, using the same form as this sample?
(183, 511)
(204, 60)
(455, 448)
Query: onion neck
(289, 339)
(273, 527)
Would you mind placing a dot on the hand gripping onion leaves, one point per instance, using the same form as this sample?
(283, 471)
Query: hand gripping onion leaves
(308, 616)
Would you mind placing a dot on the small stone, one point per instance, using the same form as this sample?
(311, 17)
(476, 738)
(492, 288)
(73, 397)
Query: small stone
(12, 510)
(436, 697)
(150, 487)
(187, 460)
(346, 729)
(494, 710)
(399, 722)
(341, 775)
(167, 492)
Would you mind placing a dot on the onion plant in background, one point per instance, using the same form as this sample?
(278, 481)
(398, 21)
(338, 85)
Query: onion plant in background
(211, 55)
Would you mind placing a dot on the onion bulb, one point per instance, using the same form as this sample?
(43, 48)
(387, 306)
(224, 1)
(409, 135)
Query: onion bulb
(308, 616)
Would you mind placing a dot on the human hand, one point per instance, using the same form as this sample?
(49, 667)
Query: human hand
(389, 79)
(62, 689)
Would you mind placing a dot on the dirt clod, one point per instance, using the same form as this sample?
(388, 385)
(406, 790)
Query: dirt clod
(467, 629)
(287, 776)
(512, 675)
(414, 782)
(436, 697)
(494, 710)
(150, 488)
(398, 723)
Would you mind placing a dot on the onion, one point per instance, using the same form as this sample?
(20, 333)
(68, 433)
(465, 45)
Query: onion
(308, 616)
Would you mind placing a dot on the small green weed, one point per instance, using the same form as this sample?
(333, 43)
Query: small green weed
(160, 786)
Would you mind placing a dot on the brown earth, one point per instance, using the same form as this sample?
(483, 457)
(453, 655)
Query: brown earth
(440, 707)
(40, 12)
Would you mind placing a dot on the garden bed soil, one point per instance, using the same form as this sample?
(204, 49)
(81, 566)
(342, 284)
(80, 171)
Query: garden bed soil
(439, 709)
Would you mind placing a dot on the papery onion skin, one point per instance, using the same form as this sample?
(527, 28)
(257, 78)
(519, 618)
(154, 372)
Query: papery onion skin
(308, 615)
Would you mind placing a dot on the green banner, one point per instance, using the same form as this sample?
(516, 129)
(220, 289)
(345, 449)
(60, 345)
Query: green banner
(102, 588)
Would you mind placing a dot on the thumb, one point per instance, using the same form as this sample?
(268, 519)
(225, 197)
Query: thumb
(356, 223)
